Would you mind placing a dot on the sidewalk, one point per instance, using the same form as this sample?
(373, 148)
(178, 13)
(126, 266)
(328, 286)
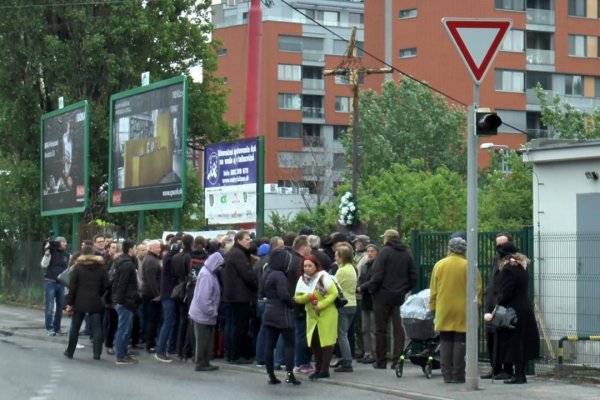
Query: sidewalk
(29, 323)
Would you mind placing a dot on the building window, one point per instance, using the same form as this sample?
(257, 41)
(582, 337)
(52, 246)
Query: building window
(289, 72)
(509, 81)
(408, 13)
(532, 78)
(574, 85)
(339, 131)
(342, 104)
(356, 19)
(290, 43)
(514, 5)
(324, 17)
(289, 101)
(289, 130)
(225, 81)
(288, 159)
(577, 8)
(339, 161)
(340, 48)
(221, 52)
(406, 53)
(577, 45)
(513, 41)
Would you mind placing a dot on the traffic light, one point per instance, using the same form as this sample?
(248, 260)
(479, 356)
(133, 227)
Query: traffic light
(487, 123)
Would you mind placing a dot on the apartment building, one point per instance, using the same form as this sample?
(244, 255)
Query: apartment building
(553, 42)
(303, 115)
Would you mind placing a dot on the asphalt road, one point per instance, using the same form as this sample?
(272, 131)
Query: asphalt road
(37, 370)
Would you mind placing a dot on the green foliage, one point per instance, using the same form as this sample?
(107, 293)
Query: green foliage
(408, 122)
(322, 220)
(567, 121)
(506, 200)
(91, 50)
(417, 198)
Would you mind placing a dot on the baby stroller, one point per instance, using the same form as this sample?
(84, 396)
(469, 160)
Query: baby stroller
(423, 348)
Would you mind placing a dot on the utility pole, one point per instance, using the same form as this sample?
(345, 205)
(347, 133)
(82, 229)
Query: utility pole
(352, 67)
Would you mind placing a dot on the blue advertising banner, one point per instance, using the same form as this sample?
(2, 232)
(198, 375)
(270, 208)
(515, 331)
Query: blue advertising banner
(230, 182)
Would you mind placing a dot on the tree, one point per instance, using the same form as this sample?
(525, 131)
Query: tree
(90, 50)
(566, 121)
(408, 122)
(506, 199)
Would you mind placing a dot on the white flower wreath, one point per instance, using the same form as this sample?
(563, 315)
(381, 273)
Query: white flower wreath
(348, 210)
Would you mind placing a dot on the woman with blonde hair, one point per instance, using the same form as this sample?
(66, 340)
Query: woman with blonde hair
(317, 291)
(347, 278)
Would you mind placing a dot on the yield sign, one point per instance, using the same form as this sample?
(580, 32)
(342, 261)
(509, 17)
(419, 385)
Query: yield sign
(477, 41)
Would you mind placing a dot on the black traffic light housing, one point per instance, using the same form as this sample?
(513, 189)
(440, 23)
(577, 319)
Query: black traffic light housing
(487, 123)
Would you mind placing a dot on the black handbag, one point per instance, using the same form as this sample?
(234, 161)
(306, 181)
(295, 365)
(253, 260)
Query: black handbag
(65, 277)
(340, 300)
(179, 291)
(503, 318)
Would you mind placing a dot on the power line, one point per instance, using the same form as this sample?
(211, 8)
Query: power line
(80, 3)
(374, 56)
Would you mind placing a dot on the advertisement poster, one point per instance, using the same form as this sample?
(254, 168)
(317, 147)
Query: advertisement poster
(148, 147)
(230, 182)
(64, 160)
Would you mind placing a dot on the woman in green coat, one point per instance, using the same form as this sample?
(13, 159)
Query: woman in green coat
(316, 290)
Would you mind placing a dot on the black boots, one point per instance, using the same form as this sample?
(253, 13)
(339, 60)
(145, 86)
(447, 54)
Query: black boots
(290, 378)
(273, 380)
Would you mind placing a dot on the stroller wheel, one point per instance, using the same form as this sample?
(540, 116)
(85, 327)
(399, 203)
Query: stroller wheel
(400, 368)
(427, 369)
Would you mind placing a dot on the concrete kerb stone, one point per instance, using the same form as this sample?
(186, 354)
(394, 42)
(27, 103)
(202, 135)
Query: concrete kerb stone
(332, 381)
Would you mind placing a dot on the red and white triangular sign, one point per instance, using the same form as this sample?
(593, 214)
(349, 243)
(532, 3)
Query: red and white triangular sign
(477, 41)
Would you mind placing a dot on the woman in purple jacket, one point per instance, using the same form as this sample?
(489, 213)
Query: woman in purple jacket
(204, 310)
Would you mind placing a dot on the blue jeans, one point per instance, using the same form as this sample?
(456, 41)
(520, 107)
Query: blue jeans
(260, 342)
(345, 317)
(55, 293)
(302, 352)
(167, 331)
(123, 331)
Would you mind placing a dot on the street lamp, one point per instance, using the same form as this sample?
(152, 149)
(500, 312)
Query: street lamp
(503, 150)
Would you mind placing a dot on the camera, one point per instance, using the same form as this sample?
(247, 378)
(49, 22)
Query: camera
(53, 245)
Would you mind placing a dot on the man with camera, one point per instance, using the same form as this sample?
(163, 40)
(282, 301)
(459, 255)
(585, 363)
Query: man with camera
(54, 261)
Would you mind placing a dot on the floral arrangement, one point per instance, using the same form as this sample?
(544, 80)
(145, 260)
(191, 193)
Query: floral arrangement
(348, 210)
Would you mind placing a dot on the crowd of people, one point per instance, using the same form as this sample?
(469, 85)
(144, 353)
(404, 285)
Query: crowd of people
(300, 302)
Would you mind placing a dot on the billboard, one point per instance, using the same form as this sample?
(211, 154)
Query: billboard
(64, 144)
(148, 147)
(231, 182)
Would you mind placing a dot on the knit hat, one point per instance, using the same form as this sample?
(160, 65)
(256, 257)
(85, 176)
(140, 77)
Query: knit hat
(462, 235)
(361, 238)
(457, 245)
(263, 249)
(373, 245)
(60, 239)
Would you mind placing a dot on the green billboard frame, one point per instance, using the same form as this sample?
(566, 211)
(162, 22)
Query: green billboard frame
(136, 91)
(86, 156)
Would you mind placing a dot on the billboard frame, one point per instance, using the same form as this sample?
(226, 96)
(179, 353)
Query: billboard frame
(86, 156)
(184, 113)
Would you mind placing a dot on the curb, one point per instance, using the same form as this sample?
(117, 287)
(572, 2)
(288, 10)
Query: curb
(354, 385)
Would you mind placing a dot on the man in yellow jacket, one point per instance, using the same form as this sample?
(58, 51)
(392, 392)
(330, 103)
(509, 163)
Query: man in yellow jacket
(448, 300)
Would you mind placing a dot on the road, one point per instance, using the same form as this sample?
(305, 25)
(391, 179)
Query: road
(37, 370)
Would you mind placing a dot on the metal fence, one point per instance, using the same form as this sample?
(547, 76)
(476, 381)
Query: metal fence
(564, 284)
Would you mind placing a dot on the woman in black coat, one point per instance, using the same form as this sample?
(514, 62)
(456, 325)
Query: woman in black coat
(87, 284)
(521, 344)
(278, 318)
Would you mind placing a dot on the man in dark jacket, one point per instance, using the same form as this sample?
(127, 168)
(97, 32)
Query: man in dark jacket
(126, 297)
(87, 283)
(181, 266)
(239, 290)
(151, 269)
(394, 274)
(55, 261)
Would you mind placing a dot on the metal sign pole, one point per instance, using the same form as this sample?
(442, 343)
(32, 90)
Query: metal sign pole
(472, 372)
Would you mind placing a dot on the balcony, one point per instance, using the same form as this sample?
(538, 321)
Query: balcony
(313, 112)
(580, 102)
(313, 56)
(540, 17)
(312, 141)
(540, 57)
(313, 84)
